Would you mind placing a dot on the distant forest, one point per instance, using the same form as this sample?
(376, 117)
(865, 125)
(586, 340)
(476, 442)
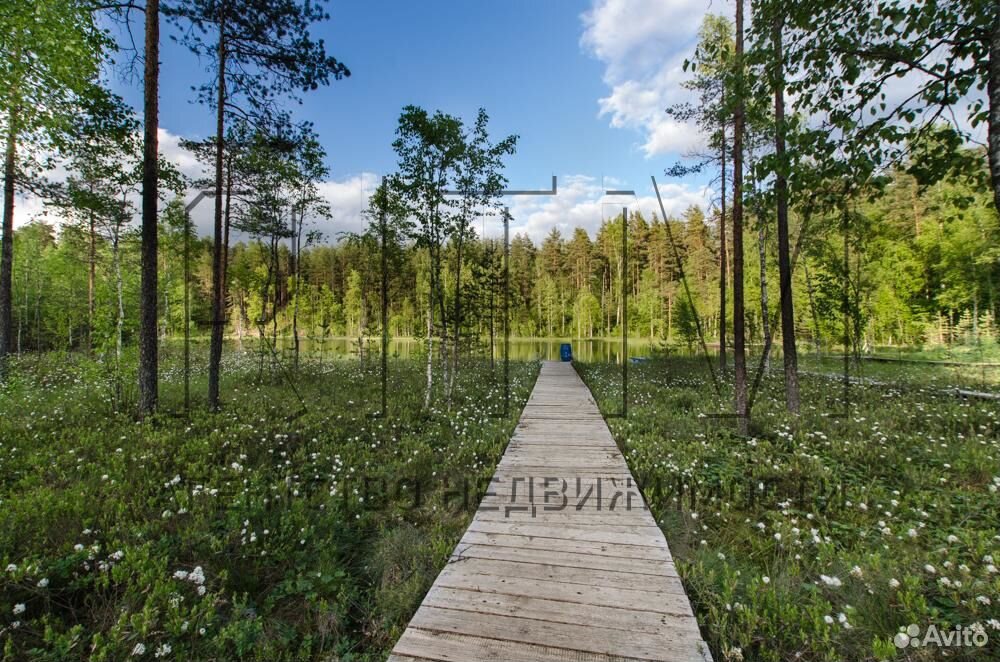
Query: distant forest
(923, 264)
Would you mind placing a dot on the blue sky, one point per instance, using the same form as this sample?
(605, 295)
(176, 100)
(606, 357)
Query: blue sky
(582, 83)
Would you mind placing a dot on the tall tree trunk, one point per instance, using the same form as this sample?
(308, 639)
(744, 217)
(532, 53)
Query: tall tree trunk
(993, 91)
(276, 268)
(226, 223)
(722, 251)
(91, 281)
(739, 328)
(187, 312)
(790, 357)
(765, 320)
(148, 341)
(442, 311)
(120, 291)
(430, 345)
(492, 310)
(812, 307)
(218, 276)
(7, 247)
(297, 239)
(458, 315)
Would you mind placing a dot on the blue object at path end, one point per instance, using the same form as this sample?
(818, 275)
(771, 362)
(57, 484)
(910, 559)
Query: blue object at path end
(566, 352)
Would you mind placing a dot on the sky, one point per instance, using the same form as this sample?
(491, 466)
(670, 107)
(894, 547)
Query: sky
(583, 84)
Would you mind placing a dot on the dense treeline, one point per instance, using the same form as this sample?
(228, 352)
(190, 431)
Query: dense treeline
(925, 262)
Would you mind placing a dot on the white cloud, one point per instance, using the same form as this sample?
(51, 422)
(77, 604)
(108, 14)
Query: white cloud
(643, 44)
(171, 150)
(581, 203)
(632, 35)
(29, 208)
(347, 197)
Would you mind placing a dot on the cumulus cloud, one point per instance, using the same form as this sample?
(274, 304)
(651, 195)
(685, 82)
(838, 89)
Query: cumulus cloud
(631, 35)
(347, 196)
(171, 150)
(581, 202)
(642, 44)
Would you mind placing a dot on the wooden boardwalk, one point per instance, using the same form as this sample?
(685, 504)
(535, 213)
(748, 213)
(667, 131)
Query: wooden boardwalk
(550, 573)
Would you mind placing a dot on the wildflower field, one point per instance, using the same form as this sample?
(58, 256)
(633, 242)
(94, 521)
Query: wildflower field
(277, 529)
(818, 539)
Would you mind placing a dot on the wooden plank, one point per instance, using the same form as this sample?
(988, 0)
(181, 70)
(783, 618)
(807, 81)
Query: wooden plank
(659, 567)
(530, 569)
(540, 609)
(576, 580)
(505, 512)
(615, 549)
(671, 599)
(447, 647)
(590, 638)
(621, 534)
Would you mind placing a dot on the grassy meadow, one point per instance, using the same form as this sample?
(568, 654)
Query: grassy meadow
(817, 539)
(265, 532)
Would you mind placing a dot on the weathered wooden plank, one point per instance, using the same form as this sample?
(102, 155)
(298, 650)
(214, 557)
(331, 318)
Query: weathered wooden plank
(590, 638)
(556, 611)
(448, 647)
(659, 567)
(621, 534)
(618, 550)
(671, 600)
(525, 569)
(505, 512)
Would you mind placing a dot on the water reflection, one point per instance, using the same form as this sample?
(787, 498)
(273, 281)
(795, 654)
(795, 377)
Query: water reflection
(521, 349)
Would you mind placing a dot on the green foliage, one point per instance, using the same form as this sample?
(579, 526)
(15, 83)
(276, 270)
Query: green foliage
(920, 260)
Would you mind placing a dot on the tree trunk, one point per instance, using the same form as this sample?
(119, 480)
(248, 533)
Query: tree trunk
(187, 312)
(739, 329)
(993, 91)
(91, 282)
(7, 247)
(274, 302)
(492, 310)
(790, 357)
(295, 304)
(437, 277)
(765, 320)
(148, 355)
(812, 307)
(218, 290)
(120, 291)
(458, 315)
(226, 218)
(430, 347)
(722, 251)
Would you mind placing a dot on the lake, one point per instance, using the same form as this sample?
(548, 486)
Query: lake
(521, 349)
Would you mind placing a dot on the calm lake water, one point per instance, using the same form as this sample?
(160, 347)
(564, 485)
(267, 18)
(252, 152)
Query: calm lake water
(609, 350)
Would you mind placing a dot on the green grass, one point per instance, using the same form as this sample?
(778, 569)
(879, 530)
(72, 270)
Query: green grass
(244, 535)
(818, 538)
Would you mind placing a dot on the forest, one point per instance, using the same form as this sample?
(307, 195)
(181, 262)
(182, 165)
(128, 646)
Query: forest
(925, 262)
